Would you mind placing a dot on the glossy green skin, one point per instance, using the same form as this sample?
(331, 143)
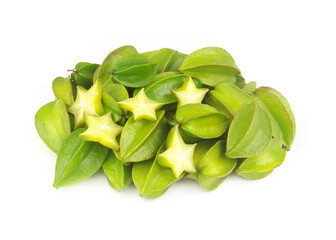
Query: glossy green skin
(229, 98)
(250, 132)
(240, 81)
(160, 89)
(255, 176)
(250, 87)
(167, 60)
(146, 54)
(72, 121)
(210, 183)
(211, 65)
(140, 140)
(188, 138)
(279, 108)
(78, 160)
(207, 183)
(110, 105)
(211, 164)
(95, 75)
(52, 124)
(213, 101)
(118, 174)
(117, 91)
(261, 165)
(111, 59)
(83, 74)
(169, 107)
(276, 131)
(150, 178)
(201, 121)
(78, 65)
(260, 121)
(63, 89)
(211, 161)
(134, 71)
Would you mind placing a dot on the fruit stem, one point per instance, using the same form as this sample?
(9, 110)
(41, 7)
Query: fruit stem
(73, 70)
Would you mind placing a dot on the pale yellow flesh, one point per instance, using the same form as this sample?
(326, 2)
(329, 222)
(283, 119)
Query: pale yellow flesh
(141, 106)
(87, 101)
(189, 93)
(103, 130)
(178, 156)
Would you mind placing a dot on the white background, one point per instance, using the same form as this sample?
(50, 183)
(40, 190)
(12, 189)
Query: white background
(289, 45)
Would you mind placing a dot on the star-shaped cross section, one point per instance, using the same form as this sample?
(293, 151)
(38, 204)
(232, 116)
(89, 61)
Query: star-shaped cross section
(87, 101)
(103, 130)
(189, 93)
(141, 106)
(178, 156)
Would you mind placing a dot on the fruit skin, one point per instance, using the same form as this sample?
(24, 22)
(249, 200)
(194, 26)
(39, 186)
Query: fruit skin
(240, 81)
(150, 178)
(162, 87)
(201, 121)
(212, 166)
(83, 74)
(211, 65)
(260, 120)
(250, 87)
(64, 89)
(116, 90)
(134, 71)
(110, 105)
(78, 160)
(250, 132)
(106, 67)
(229, 98)
(140, 140)
(53, 125)
(119, 175)
(279, 108)
(263, 164)
(167, 60)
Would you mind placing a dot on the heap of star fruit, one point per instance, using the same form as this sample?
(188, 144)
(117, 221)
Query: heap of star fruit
(156, 117)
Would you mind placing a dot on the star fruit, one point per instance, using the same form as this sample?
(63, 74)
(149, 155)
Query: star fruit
(103, 130)
(189, 93)
(141, 106)
(87, 101)
(178, 156)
